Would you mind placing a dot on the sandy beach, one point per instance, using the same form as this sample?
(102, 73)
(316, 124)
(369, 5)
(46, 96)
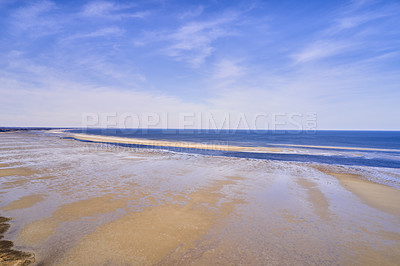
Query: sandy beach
(81, 203)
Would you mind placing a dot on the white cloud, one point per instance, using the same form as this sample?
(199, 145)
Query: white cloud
(111, 10)
(99, 8)
(97, 71)
(35, 19)
(349, 29)
(227, 69)
(98, 33)
(193, 42)
(320, 50)
(226, 72)
(359, 18)
(191, 13)
(353, 21)
(106, 31)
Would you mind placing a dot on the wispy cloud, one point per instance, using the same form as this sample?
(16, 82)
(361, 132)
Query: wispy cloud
(190, 14)
(111, 10)
(99, 8)
(107, 31)
(358, 17)
(226, 73)
(351, 29)
(193, 42)
(227, 69)
(35, 19)
(321, 50)
(355, 21)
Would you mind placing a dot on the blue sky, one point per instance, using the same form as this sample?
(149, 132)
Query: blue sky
(338, 59)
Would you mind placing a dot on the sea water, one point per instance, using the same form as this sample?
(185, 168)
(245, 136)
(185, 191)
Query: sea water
(358, 148)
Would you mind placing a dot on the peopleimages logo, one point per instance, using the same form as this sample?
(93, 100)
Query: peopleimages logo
(293, 122)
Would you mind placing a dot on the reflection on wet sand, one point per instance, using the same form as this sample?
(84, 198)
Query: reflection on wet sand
(377, 196)
(74, 203)
(23, 202)
(148, 236)
(318, 200)
(16, 171)
(40, 230)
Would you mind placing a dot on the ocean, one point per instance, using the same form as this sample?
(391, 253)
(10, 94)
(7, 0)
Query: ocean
(358, 148)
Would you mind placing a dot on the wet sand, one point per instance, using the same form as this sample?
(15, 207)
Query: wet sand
(77, 203)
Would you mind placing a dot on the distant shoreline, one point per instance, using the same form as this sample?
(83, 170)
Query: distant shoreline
(19, 129)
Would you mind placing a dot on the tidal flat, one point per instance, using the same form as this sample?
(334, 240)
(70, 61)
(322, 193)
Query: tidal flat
(83, 203)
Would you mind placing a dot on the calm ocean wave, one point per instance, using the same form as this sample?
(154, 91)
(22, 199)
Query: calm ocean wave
(359, 148)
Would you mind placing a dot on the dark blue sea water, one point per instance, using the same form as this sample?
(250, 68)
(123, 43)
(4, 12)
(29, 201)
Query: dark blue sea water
(387, 140)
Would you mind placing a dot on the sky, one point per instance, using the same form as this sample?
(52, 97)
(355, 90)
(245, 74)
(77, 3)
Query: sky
(172, 63)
